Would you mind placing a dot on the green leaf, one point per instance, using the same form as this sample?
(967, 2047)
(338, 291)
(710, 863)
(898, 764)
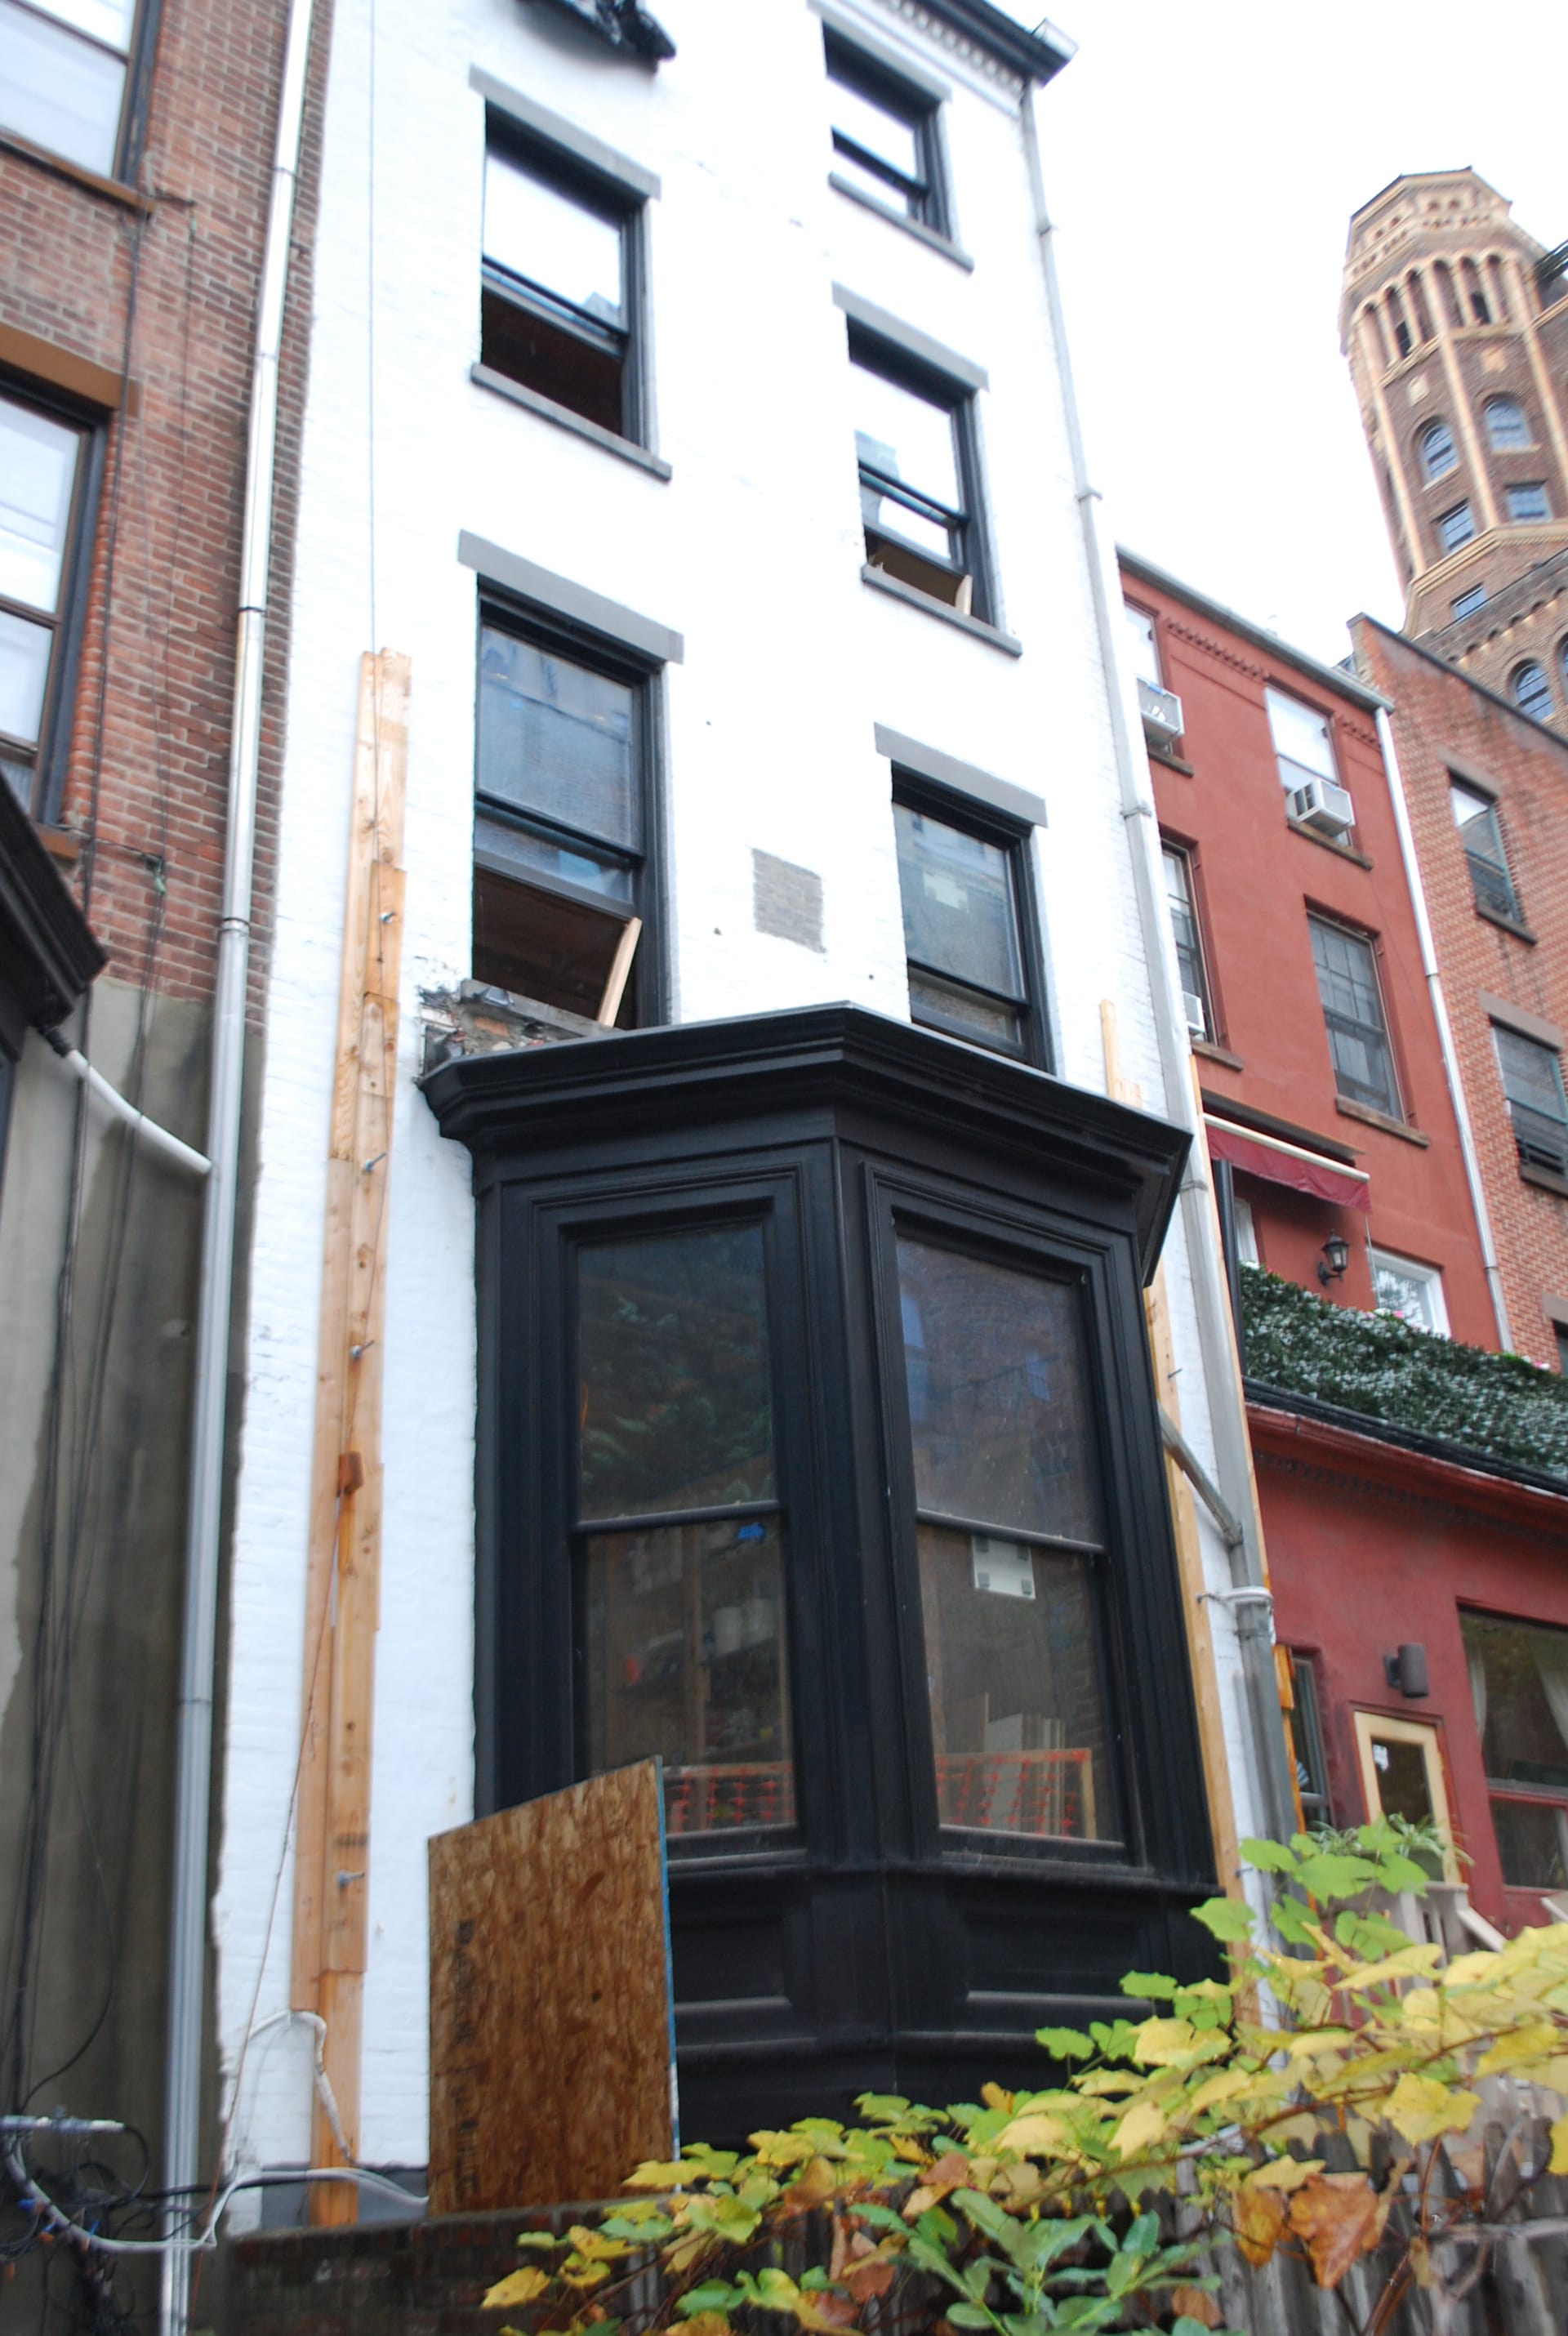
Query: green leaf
(1064, 2043)
(1153, 1984)
(1328, 1876)
(1269, 1856)
(1229, 1919)
(1143, 2237)
(1293, 1920)
(1400, 1872)
(713, 2295)
(815, 2279)
(968, 2315)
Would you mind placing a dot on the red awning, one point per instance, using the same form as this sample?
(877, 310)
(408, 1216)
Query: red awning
(1289, 1164)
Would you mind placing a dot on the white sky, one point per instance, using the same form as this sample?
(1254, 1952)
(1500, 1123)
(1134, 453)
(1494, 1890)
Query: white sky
(1201, 163)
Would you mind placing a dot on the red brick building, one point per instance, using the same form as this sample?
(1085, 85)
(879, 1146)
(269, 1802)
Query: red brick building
(136, 158)
(1417, 1555)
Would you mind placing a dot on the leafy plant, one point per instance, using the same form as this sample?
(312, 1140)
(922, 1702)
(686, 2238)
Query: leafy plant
(1318, 2101)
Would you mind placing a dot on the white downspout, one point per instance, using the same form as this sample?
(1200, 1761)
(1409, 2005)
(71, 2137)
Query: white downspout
(1489, 1257)
(1248, 1599)
(193, 1756)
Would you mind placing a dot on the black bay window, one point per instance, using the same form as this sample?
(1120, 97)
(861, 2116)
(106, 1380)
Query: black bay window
(818, 1454)
(561, 824)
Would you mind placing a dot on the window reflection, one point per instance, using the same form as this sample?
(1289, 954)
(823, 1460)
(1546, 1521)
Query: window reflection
(1003, 1442)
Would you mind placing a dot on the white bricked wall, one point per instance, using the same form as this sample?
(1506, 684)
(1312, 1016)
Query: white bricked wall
(752, 551)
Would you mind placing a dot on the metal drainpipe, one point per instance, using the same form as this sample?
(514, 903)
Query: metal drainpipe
(1489, 1257)
(193, 1756)
(1248, 1600)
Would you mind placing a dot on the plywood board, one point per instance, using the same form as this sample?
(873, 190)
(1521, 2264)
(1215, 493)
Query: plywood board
(550, 2039)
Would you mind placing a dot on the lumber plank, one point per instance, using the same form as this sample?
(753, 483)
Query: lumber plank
(549, 2016)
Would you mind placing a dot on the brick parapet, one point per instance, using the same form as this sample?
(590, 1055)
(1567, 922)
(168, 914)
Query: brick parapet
(1443, 725)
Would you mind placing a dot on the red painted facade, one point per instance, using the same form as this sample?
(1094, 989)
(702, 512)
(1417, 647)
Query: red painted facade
(1370, 1545)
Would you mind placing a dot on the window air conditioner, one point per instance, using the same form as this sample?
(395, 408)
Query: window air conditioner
(1322, 806)
(1197, 1020)
(1162, 713)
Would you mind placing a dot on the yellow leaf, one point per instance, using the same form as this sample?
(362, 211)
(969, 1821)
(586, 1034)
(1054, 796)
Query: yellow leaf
(656, 2174)
(1143, 2124)
(706, 2323)
(517, 2287)
(1421, 2108)
(1033, 2134)
(1560, 2146)
(994, 2099)
(1283, 2172)
(1161, 2041)
(1405, 1964)
(1536, 2040)
(1222, 2087)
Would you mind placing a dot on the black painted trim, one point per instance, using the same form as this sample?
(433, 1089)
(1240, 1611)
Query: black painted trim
(48, 956)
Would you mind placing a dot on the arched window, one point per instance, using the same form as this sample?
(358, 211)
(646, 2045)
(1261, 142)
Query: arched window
(1438, 454)
(1506, 422)
(1532, 692)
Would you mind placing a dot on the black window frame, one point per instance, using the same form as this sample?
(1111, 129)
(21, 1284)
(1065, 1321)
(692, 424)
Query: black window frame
(1535, 1143)
(141, 51)
(1492, 885)
(927, 200)
(644, 1001)
(1369, 941)
(969, 526)
(1015, 837)
(49, 756)
(1172, 847)
(606, 198)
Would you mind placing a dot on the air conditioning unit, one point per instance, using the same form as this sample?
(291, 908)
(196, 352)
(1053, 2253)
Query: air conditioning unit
(1197, 1020)
(1162, 713)
(1322, 806)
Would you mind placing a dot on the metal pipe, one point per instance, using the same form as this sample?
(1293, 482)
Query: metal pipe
(1221, 1371)
(147, 1130)
(193, 1754)
(1489, 1258)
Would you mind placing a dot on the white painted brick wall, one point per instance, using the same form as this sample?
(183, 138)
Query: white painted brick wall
(752, 551)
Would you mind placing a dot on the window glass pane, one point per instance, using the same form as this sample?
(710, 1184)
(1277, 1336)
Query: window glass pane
(1184, 924)
(1307, 1741)
(529, 853)
(1146, 653)
(557, 739)
(1456, 527)
(1353, 1012)
(1017, 1709)
(1437, 454)
(685, 1656)
(1468, 602)
(1531, 1073)
(1473, 817)
(1300, 740)
(1519, 1681)
(1404, 1784)
(1414, 1292)
(1528, 502)
(23, 670)
(37, 472)
(883, 131)
(108, 21)
(553, 239)
(59, 91)
(960, 916)
(1531, 1844)
(965, 1014)
(906, 437)
(1506, 422)
(1532, 691)
(674, 1404)
(999, 1408)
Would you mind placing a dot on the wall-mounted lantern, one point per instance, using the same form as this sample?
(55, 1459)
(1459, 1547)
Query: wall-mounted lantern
(1335, 1257)
(1406, 1668)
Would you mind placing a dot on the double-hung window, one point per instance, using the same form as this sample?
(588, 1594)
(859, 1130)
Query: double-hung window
(969, 921)
(1414, 1292)
(1182, 900)
(1455, 528)
(63, 70)
(1519, 1686)
(562, 827)
(562, 262)
(1475, 817)
(1303, 747)
(1352, 999)
(42, 459)
(886, 141)
(1144, 635)
(914, 443)
(1533, 1083)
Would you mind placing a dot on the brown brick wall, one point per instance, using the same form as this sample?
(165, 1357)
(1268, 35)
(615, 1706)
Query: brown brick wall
(163, 289)
(1440, 718)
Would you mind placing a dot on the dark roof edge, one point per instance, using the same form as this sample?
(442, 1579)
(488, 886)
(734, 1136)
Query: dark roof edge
(1406, 1439)
(1457, 673)
(1330, 677)
(47, 952)
(1039, 55)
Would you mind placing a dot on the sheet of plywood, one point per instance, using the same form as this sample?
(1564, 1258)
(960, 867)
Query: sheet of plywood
(550, 2037)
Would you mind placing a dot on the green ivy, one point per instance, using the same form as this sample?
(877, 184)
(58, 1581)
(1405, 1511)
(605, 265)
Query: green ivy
(1499, 1405)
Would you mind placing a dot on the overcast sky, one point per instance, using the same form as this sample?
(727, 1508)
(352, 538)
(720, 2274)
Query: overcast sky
(1202, 162)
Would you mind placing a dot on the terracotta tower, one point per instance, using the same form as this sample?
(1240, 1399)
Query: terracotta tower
(1455, 324)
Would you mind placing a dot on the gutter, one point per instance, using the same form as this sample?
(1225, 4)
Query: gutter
(1252, 1610)
(1489, 1257)
(193, 1751)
